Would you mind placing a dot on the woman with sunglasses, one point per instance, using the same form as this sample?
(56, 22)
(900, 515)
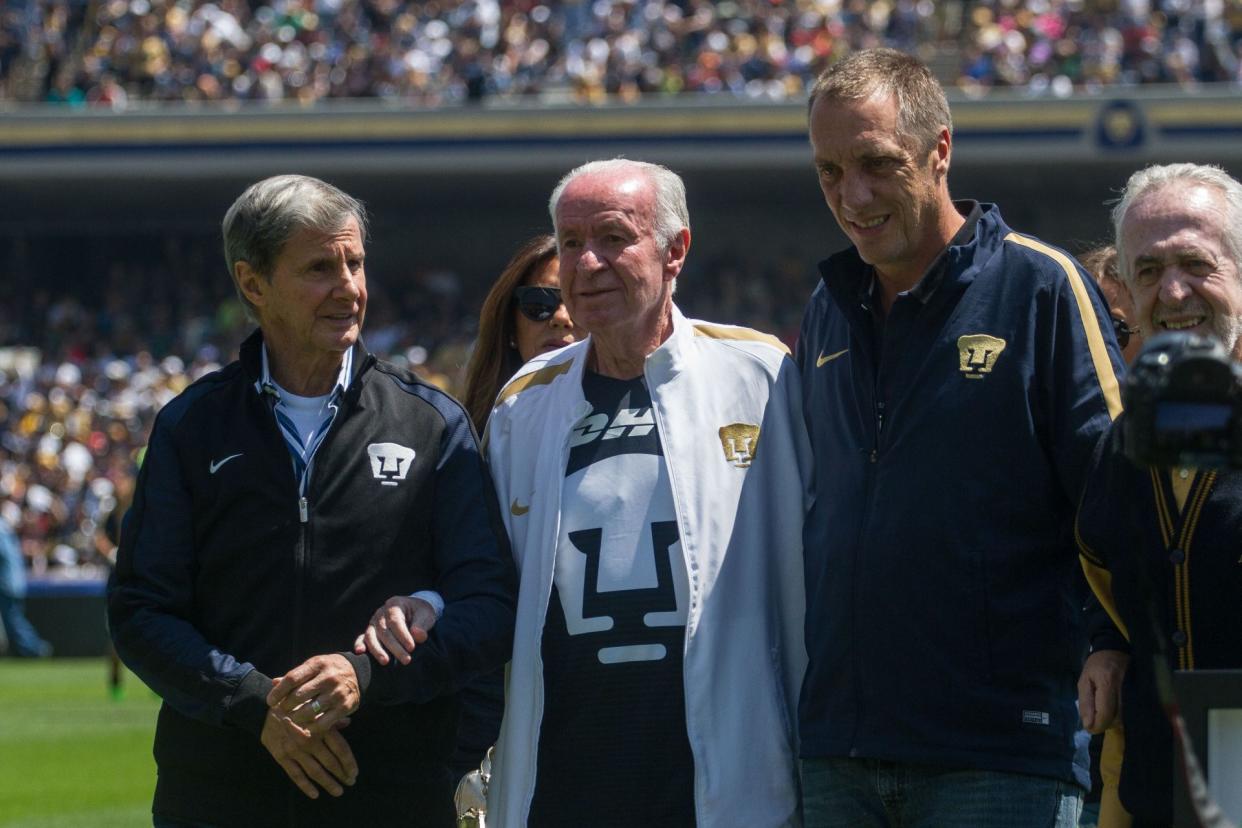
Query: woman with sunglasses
(522, 317)
(1101, 263)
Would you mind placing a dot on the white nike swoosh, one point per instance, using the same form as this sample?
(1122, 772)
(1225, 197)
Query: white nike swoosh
(215, 467)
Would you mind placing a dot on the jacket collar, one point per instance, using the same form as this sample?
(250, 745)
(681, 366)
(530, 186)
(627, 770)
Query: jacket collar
(250, 355)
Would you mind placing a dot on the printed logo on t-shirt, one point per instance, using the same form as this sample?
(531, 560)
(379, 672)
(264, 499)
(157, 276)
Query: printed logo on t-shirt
(620, 575)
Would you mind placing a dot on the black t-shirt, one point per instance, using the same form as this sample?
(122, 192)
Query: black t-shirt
(613, 749)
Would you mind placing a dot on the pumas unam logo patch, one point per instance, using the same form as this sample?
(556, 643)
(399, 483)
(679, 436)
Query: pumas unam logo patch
(977, 354)
(740, 441)
(390, 462)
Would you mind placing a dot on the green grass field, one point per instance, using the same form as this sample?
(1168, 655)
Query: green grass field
(71, 756)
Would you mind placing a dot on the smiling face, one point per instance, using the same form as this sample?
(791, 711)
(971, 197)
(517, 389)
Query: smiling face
(616, 275)
(1182, 274)
(890, 197)
(533, 338)
(312, 305)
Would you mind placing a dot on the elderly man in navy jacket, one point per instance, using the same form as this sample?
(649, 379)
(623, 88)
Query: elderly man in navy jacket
(280, 501)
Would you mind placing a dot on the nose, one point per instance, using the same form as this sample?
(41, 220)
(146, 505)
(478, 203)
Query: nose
(855, 191)
(588, 260)
(349, 285)
(560, 318)
(1173, 287)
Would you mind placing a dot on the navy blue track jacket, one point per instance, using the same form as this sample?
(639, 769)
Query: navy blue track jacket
(225, 581)
(950, 447)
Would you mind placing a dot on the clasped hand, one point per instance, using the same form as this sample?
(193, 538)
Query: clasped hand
(310, 705)
(307, 709)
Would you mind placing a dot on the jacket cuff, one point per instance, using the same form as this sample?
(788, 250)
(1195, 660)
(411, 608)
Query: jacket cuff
(362, 669)
(247, 707)
(1109, 639)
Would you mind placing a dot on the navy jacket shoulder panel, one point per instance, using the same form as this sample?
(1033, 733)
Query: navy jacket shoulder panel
(454, 416)
(172, 414)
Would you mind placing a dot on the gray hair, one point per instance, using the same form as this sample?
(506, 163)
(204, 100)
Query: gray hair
(1161, 176)
(671, 213)
(263, 218)
(922, 108)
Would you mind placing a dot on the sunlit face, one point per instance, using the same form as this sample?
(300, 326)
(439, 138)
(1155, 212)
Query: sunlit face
(1181, 272)
(533, 338)
(885, 195)
(313, 305)
(616, 275)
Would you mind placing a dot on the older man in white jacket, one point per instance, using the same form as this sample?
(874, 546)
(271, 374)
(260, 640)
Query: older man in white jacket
(653, 480)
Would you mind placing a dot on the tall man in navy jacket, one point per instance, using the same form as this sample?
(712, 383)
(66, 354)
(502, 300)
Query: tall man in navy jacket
(281, 500)
(956, 376)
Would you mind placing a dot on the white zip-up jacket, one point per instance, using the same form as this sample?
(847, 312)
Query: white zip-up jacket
(740, 504)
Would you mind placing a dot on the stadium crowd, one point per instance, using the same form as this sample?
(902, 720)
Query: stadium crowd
(114, 53)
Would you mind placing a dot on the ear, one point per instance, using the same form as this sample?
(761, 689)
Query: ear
(675, 258)
(253, 286)
(942, 153)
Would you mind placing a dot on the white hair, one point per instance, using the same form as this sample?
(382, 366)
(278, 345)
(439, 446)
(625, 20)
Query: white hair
(1162, 176)
(671, 213)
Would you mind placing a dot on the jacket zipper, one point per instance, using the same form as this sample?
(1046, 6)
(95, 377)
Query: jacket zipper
(299, 573)
(879, 428)
(879, 411)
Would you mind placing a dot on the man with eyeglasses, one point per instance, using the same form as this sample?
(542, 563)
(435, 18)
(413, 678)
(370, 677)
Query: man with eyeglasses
(1171, 533)
(653, 479)
(280, 501)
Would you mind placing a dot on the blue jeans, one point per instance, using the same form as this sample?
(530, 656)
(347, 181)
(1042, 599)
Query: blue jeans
(852, 793)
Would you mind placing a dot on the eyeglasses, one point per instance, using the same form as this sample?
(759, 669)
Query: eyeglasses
(1123, 331)
(537, 303)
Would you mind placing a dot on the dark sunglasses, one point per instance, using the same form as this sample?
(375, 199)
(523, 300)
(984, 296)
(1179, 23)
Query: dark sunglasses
(537, 303)
(1123, 331)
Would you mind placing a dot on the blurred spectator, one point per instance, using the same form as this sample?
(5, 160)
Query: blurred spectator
(113, 52)
(23, 639)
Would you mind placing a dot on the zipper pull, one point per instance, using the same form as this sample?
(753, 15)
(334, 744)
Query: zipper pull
(302, 510)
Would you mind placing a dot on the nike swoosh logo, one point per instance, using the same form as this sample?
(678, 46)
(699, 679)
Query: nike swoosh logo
(819, 363)
(212, 468)
(517, 510)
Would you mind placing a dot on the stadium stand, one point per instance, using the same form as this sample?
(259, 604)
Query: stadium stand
(116, 53)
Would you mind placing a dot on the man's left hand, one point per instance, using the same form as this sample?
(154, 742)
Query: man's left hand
(1099, 689)
(318, 693)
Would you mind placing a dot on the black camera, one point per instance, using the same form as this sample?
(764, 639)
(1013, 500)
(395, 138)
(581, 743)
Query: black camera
(1183, 400)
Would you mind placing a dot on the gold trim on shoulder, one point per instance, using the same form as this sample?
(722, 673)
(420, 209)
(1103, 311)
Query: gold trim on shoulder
(1086, 312)
(541, 377)
(731, 332)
